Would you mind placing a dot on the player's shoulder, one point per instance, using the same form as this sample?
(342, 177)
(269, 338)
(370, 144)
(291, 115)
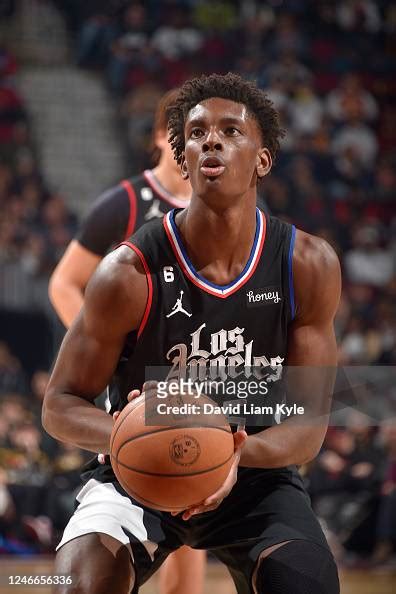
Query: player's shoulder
(112, 194)
(316, 275)
(121, 274)
(314, 254)
(120, 192)
(137, 180)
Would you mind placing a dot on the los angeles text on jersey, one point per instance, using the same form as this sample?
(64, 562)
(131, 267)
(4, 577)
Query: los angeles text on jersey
(229, 357)
(231, 408)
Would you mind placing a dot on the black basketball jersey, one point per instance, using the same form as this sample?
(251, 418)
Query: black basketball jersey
(193, 325)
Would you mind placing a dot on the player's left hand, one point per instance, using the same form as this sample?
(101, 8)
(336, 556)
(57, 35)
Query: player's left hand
(213, 501)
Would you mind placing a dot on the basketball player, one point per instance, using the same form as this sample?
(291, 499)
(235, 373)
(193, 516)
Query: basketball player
(220, 252)
(113, 217)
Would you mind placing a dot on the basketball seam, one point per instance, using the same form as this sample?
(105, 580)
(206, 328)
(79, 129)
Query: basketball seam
(137, 404)
(172, 475)
(147, 398)
(148, 501)
(167, 428)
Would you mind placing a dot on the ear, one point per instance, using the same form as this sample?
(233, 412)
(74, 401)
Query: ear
(263, 162)
(183, 168)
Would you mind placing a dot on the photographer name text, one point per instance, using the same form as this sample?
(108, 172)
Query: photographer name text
(239, 408)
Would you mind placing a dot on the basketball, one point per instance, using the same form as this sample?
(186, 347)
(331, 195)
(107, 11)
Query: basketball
(170, 468)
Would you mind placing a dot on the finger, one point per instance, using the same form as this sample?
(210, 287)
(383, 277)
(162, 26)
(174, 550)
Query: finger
(101, 458)
(218, 496)
(116, 414)
(229, 482)
(221, 493)
(133, 394)
(189, 513)
(150, 385)
(240, 438)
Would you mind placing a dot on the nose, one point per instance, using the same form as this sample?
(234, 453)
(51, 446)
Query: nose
(212, 141)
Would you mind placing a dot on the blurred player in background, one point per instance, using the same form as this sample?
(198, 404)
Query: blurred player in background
(113, 217)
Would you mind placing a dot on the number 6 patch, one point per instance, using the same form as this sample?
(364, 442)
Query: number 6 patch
(169, 276)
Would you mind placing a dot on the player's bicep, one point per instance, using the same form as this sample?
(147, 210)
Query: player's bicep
(114, 305)
(312, 344)
(86, 360)
(317, 286)
(312, 348)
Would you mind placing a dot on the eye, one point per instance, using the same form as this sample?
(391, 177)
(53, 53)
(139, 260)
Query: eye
(232, 131)
(196, 133)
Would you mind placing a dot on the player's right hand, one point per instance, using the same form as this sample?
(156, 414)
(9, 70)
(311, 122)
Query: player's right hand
(213, 501)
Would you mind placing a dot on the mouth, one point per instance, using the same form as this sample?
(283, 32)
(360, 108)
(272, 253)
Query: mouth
(212, 167)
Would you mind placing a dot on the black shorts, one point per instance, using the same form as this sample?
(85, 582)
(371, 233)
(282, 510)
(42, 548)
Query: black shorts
(264, 508)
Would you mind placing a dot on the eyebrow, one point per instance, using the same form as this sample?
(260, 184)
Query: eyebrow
(231, 120)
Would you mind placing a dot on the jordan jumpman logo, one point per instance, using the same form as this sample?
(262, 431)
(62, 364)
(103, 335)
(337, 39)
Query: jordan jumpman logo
(178, 307)
(154, 211)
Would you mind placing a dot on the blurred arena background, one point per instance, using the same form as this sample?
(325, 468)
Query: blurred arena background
(79, 83)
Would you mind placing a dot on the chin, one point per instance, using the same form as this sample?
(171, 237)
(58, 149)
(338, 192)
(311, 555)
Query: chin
(216, 196)
(219, 184)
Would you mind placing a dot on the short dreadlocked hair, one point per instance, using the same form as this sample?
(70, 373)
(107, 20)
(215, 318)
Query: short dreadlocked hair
(228, 86)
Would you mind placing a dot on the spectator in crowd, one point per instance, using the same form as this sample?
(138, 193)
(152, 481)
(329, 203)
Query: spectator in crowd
(344, 484)
(12, 375)
(351, 100)
(176, 38)
(130, 49)
(306, 110)
(358, 15)
(368, 262)
(96, 34)
(386, 519)
(357, 142)
(289, 71)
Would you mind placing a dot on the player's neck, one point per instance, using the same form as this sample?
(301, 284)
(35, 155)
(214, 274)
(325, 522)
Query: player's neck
(172, 181)
(219, 243)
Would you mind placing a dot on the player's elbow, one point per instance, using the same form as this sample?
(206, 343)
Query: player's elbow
(46, 417)
(56, 287)
(313, 446)
(50, 417)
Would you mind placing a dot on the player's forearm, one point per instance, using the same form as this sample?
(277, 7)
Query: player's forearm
(291, 442)
(67, 300)
(76, 421)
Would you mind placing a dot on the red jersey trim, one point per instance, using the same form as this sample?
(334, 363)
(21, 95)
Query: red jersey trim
(149, 285)
(128, 187)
